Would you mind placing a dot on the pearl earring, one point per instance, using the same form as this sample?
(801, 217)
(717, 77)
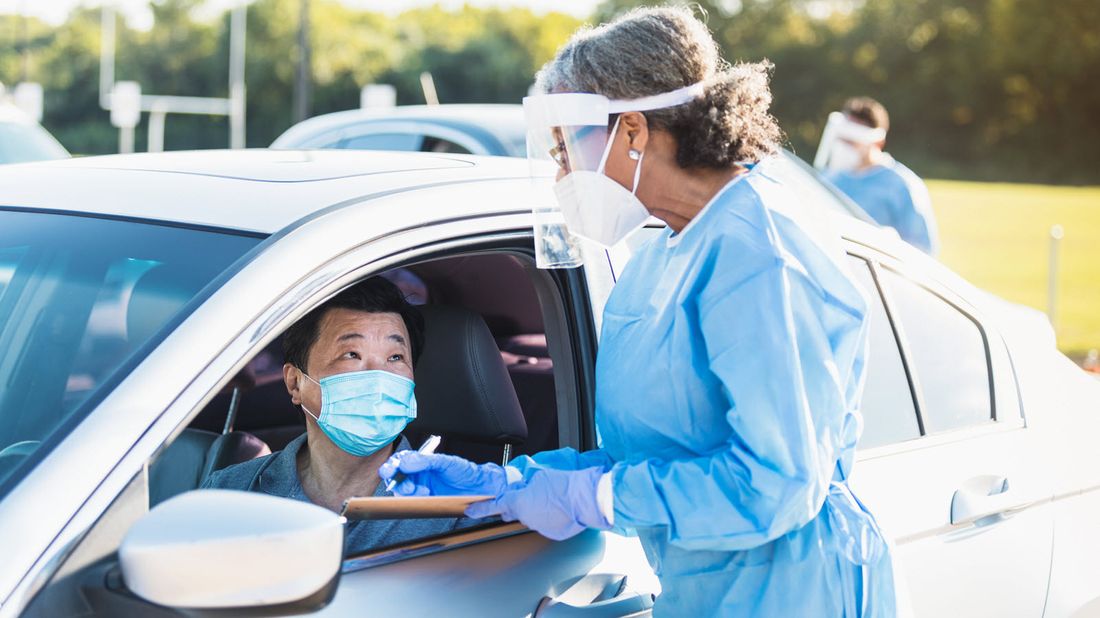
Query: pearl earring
(634, 154)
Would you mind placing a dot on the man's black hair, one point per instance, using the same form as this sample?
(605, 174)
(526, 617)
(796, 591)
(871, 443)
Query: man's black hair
(867, 111)
(374, 295)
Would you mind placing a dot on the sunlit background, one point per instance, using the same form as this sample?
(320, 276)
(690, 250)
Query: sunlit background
(995, 102)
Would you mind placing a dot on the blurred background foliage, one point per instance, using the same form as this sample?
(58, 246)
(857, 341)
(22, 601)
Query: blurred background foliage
(977, 89)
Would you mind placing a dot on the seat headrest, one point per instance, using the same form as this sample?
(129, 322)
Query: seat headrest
(462, 386)
(157, 296)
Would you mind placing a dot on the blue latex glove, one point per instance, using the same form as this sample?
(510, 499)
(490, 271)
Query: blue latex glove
(442, 475)
(557, 504)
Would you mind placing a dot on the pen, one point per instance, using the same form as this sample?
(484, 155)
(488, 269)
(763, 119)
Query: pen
(427, 448)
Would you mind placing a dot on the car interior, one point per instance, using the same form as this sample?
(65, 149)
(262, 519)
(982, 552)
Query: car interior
(484, 381)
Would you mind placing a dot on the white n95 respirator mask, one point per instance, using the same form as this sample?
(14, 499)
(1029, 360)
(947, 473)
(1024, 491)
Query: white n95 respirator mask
(598, 208)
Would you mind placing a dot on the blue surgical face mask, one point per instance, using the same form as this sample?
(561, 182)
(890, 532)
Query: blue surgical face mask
(363, 411)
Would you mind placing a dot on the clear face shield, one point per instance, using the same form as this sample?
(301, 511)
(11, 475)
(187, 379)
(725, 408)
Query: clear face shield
(568, 141)
(564, 132)
(842, 143)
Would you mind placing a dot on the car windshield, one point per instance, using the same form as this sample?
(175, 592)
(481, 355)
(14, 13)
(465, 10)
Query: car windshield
(81, 300)
(27, 142)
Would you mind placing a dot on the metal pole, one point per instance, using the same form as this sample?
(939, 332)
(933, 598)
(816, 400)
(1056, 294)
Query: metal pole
(1056, 234)
(236, 76)
(156, 130)
(24, 43)
(427, 84)
(126, 140)
(304, 78)
(106, 55)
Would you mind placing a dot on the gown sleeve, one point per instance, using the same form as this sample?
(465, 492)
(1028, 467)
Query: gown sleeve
(916, 223)
(562, 459)
(765, 339)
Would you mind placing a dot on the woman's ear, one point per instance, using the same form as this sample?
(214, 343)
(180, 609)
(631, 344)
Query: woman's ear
(635, 127)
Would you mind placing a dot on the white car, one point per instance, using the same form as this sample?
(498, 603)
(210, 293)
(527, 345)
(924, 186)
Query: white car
(977, 458)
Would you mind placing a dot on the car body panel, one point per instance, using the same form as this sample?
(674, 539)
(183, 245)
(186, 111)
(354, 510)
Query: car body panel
(339, 216)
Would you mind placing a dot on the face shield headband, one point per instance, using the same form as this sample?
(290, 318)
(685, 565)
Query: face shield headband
(838, 127)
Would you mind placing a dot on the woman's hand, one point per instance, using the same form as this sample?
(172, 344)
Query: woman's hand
(557, 504)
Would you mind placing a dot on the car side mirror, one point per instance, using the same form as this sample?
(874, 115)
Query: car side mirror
(223, 550)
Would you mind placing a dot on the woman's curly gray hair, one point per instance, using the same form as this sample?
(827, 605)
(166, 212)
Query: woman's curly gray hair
(648, 51)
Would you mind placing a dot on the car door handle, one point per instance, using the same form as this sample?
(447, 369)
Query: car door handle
(600, 595)
(982, 500)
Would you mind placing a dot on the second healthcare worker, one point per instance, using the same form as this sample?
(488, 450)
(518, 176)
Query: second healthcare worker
(731, 359)
(851, 156)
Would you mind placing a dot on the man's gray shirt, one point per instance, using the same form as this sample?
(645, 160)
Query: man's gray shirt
(277, 475)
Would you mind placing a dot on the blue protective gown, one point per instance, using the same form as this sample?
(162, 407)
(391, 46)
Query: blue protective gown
(728, 383)
(894, 197)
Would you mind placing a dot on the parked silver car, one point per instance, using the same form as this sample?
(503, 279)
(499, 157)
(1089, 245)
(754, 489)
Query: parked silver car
(482, 129)
(141, 297)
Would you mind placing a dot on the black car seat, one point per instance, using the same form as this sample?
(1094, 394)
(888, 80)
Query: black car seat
(157, 296)
(532, 371)
(463, 390)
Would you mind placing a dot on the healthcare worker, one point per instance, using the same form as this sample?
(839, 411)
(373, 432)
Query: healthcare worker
(731, 357)
(851, 156)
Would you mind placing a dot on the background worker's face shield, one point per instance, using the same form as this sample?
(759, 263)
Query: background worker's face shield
(844, 143)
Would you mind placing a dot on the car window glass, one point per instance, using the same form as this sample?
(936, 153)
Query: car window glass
(80, 298)
(384, 141)
(948, 353)
(888, 412)
(806, 182)
(27, 142)
(9, 261)
(438, 144)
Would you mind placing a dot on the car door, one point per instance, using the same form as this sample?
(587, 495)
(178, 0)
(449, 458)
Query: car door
(947, 463)
(499, 570)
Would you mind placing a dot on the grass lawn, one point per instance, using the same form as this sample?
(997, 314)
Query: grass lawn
(998, 237)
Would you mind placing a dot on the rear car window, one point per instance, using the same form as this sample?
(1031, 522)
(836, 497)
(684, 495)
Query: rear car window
(80, 297)
(949, 356)
(889, 414)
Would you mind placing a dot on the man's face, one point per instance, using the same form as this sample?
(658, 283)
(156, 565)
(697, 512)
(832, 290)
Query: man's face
(348, 341)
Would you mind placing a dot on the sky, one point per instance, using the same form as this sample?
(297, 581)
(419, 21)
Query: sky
(139, 16)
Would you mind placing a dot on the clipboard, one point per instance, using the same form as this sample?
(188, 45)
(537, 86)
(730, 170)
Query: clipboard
(409, 507)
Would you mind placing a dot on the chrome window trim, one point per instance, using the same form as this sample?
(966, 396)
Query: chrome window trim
(996, 348)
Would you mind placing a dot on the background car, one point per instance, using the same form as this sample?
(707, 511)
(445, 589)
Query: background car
(463, 129)
(23, 139)
(977, 455)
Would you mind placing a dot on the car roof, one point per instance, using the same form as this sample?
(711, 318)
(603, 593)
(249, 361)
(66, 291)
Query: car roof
(503, 121)
(248, 190)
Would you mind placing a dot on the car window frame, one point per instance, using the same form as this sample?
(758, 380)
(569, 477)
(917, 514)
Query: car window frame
(903, 353)
(371, 257)
(1006, 408)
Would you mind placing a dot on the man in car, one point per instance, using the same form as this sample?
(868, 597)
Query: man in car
(349, 366)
